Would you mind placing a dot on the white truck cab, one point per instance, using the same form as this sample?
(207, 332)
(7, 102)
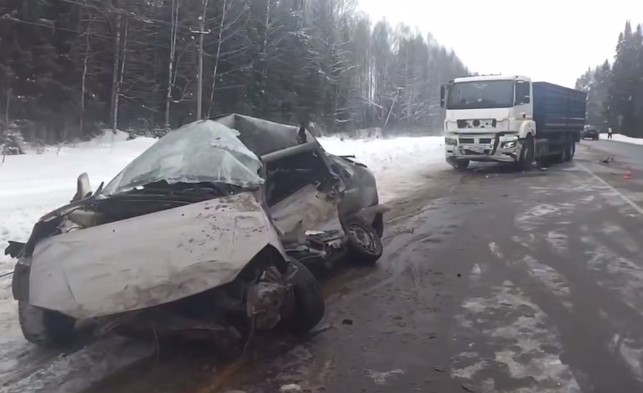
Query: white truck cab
(489, 118)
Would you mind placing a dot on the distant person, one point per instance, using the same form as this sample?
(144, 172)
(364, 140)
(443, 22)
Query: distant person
(609, 133)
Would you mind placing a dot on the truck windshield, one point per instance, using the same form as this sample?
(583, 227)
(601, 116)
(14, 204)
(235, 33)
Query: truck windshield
(481, 95)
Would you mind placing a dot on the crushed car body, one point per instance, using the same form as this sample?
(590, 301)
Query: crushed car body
(211, 231)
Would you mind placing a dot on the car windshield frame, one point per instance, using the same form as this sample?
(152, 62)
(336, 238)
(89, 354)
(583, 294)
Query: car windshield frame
(481, 94)
(201, 152)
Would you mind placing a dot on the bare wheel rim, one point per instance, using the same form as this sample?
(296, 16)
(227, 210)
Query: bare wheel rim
(363, 237)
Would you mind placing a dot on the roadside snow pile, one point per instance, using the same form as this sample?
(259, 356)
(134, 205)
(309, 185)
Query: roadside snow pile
(33, 184)
(398, 163)
(624, 139)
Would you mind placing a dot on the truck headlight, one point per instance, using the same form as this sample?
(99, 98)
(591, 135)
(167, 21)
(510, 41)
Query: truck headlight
(509, 145)
(451, 141)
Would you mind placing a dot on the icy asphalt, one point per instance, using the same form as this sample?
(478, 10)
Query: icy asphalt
(492, 281)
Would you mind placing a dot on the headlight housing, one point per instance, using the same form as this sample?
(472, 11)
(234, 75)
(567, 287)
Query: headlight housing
(509, 145)
(450, 141)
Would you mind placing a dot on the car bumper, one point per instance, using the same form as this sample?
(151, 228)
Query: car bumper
(499, 153)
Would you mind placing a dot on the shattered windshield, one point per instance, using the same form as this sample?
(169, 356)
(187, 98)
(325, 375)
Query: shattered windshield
(481, 95)
(203, 152)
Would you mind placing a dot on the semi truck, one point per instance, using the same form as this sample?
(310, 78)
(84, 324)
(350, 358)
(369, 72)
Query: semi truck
(510, 119)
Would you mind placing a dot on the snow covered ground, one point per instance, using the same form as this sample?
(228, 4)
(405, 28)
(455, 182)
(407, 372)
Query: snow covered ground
(33, 184)
(623, 138)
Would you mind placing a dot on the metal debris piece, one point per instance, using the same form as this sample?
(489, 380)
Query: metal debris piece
(290, 388)
(380, 378)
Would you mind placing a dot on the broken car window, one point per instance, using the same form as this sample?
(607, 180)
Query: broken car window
(289, 174)
(197, 153)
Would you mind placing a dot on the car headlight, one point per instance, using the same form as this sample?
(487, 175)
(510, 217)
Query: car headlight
(451, 141)
(509, 145)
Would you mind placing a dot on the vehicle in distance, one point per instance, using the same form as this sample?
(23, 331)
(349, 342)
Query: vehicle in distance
(590, 132)
(209, 233)
(510, 119)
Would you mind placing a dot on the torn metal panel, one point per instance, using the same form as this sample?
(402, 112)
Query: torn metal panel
(149, 260)
(306, 209)
(263, 136)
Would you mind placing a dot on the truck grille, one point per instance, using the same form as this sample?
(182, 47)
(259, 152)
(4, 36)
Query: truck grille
(485, 140)
(467, 140)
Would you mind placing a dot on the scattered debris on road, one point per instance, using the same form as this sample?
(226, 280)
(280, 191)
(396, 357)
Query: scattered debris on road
(290, 388)
(381, 378)
(347, 322)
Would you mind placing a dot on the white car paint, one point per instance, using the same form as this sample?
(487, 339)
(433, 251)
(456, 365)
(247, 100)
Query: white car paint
(149, 260)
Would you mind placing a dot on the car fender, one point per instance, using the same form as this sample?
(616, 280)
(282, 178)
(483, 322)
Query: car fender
(149, 260)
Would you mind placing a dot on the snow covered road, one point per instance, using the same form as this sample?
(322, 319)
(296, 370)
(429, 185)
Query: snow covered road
(33, 184)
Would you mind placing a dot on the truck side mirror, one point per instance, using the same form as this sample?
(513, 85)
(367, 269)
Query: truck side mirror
(442, 95)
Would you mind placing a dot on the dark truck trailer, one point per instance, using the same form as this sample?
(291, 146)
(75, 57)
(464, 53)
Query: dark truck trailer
(559, 113)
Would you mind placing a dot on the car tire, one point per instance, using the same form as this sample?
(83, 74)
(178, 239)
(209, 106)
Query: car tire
(44, 327)
(309, 304)
(364, 245)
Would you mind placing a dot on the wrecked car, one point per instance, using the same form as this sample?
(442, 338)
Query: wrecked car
(210, 233)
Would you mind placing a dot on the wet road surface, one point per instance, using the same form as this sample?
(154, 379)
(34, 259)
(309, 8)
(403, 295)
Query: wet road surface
(491, 281)
(527, 282)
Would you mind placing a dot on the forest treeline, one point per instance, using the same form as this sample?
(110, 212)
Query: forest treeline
(71, 67)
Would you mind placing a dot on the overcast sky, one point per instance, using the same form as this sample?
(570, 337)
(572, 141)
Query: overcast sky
(548, 40)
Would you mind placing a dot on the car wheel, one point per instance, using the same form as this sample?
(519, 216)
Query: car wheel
(364, 245)
(44, 327)
(309, 305)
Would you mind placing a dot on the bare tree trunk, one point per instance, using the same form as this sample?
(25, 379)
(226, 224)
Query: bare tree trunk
(6, 120)
(121, 72)
(84, 83)
(264, 66)
(6, 108)
(216, 59)
(171, 65)
(202, 32)
(115, 70)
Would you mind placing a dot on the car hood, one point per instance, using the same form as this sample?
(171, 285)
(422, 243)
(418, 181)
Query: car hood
(149, 260)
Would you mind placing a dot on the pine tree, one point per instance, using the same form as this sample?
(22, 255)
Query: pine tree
(68, 68)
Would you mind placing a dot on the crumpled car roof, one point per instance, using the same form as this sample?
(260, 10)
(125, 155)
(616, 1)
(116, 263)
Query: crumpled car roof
(262, 136)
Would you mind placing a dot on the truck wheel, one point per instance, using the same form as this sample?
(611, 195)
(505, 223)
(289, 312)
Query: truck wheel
(364, 245)
(309, 305)
(570, 151)
(526, 154)
(44, 327)
(461, 165)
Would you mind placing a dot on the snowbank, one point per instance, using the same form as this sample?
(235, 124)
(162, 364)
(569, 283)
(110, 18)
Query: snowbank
(623, 138)
(33, 184)
(398, 163)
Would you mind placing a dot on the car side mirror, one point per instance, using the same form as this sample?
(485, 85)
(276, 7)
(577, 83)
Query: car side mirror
(83, 187)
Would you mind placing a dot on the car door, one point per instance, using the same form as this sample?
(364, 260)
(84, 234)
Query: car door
(302, 194)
